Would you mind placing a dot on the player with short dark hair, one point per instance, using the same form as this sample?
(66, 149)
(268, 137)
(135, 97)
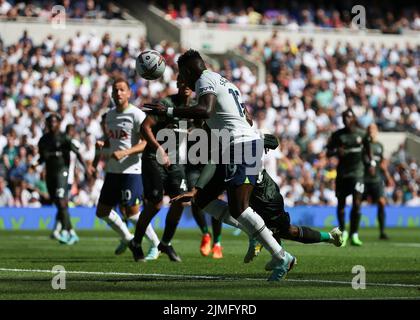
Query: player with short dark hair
(349, 144)
(220, 104)
(374, 184)
(54, 149)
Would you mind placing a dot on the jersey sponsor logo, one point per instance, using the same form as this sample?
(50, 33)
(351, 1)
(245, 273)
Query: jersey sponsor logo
(359, 139)
(354, 150)
(117, 134)
(204, 89)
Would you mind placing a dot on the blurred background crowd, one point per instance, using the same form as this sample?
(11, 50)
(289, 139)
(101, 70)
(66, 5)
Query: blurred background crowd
(388, 17)
(43, 10)
(300, 101)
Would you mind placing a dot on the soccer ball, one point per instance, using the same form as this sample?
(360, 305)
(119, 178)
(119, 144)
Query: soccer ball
(150, 65)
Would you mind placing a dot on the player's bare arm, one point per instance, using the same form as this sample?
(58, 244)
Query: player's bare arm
(147, 132)
(202, 110)
(138, 148)
(248, 116)
(372, 163)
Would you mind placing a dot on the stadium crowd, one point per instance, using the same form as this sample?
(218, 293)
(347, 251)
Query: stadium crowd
(300, 101)
(44, 9)
(387, 16)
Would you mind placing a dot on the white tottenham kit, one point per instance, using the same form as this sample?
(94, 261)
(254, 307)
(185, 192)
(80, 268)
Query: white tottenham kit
(229, 112)
(123, 132)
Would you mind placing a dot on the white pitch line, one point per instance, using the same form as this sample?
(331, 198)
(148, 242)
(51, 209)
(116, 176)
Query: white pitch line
(99, 273)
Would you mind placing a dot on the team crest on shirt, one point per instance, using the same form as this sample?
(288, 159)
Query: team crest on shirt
(117, 134)
(359, 139)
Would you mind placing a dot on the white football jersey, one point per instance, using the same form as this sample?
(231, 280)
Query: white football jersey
(73, 162)
(229, 112)
(123, 132)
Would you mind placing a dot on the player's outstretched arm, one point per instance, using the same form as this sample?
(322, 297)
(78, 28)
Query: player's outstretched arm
(205, 176)
(202, 110)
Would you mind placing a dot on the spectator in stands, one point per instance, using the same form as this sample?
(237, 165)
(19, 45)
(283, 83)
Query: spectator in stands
(292, 15)
(6, 197)
(4, 7)
(43, 9)
(305, 90)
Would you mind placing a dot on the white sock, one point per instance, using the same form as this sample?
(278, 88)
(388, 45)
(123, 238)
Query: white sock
(220, 211)
(72, 232)
(150, 232)
(255, 226)
(119, 226)
(58, 226)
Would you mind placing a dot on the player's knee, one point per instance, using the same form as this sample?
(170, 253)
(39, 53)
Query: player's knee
(102, 211)
(237, 208)
(62, 204)
(382, 202)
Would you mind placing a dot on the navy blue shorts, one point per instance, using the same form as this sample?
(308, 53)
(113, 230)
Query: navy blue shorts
(123, 189)
(245, 163)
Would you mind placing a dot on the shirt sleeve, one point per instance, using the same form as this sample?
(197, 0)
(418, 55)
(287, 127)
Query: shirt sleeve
(205, 85)
(138, 120)
(74, 145)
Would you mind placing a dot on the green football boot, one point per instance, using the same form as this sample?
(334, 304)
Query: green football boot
(355, 241)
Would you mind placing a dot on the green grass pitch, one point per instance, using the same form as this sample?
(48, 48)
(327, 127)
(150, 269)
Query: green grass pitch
(323, 271)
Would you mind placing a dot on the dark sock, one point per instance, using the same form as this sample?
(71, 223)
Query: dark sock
(200, 219)
(381, 219)
(171, 222)
(341, 220)
(308, 235)
(217, 230)
(65, 218)
(354, 221)
(58, 219)
(145, 218)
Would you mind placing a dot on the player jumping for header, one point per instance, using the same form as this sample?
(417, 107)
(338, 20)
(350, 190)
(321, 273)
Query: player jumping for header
(220, 104)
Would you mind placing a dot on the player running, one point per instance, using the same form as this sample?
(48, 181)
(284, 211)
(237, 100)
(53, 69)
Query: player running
(54, 149)
(349, 144)
(123, 180)
(220, 104)
(374, 184)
